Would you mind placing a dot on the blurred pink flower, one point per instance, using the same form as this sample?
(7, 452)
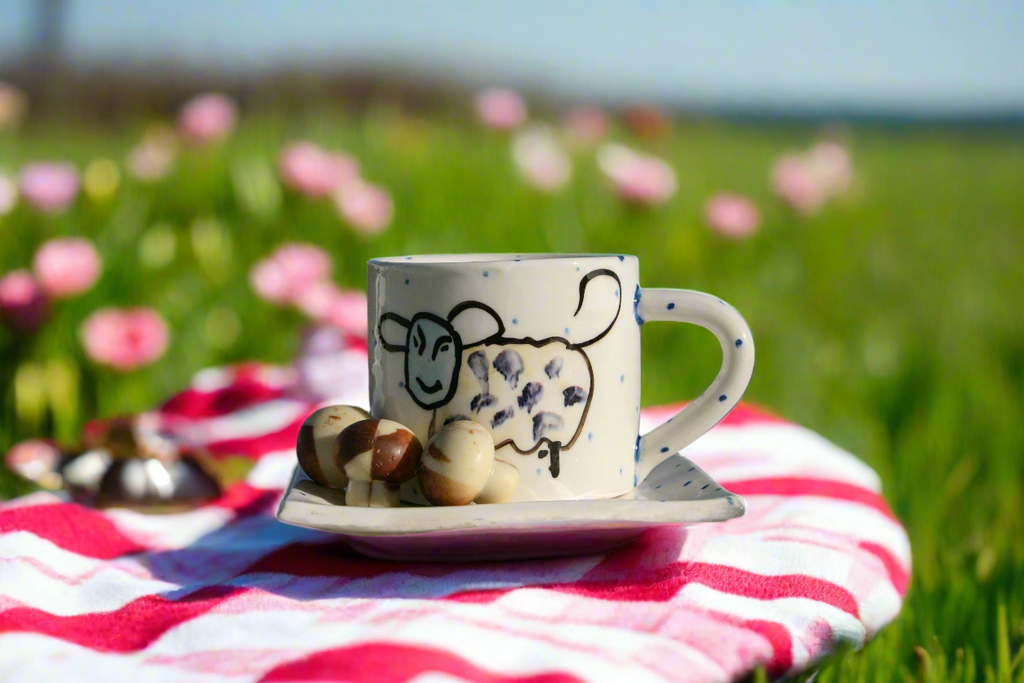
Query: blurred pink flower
(732, 215)
(638, 178)
(34, 459)
(8, 195)
(291, 269)
(23, 305)
(348, 313)
(317, 299)
(66, 266)
(540, 161)
(49, 187)
(153, 158)
(364, 206)
(829, 163)
(124, 339)
(314, 172)
(793, 181)
(207, 118)
(500, 108)
(584, 126)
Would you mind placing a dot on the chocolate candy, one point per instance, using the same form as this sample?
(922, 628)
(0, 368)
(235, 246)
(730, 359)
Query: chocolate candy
(376, 456)
(459, 468)
(315, 443)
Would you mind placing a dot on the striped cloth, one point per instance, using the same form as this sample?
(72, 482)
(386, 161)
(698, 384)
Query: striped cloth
(227, 593)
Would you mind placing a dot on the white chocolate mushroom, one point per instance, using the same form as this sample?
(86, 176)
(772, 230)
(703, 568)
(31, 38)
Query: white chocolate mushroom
(459, 468)
(315, 443)
(500, 485)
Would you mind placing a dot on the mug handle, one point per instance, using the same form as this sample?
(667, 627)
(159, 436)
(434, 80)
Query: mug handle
(700, 415)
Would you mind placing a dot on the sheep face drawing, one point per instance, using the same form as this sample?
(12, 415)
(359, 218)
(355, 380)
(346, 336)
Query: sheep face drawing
(533, 395)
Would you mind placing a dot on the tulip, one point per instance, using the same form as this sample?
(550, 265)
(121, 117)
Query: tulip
(638, 178)
(500, 108)
(308, 169)
(207, 119)
(124, 339)
(66, 266)
(49, 187)
(540, 161)
(23, 305)
(732, 215)
(366, 207)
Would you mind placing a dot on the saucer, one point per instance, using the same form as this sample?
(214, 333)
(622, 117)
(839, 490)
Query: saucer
(675, 493)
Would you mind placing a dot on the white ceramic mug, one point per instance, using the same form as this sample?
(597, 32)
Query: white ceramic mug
(544, 351)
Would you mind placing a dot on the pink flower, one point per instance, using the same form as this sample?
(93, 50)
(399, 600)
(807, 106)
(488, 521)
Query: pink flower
(317, 299)
(364, 206)
(308, 169)
(500, 108)
(829, 163)
(124, 339)
(8, 195)
(291, 269)
(540, 161)
(66, 266)
(732, 215)
(23, 305)
(348, 313)
(34, 459)
(207, 118)
(585, 126)
(638, 178)
(49, 187)
(153, 158)
(793, 181)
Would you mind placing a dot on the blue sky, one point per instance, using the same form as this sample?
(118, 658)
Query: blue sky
(910, 56)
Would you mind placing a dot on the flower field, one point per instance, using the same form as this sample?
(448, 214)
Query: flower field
(879, 268)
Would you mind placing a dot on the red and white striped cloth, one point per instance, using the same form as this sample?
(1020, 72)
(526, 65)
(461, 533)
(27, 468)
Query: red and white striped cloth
(227, 593)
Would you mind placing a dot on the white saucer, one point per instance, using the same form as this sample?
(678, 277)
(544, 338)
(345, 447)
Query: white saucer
(675, 493)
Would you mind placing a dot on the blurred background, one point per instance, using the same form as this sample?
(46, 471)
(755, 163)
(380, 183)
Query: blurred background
(191, 184)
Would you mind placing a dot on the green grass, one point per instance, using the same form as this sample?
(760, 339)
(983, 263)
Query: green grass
(892, 322)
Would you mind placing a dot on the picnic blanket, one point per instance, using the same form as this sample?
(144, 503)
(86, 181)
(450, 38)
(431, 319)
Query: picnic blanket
(226, 593)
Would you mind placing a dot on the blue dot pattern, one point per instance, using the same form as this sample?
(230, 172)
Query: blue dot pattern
(664, 449)
(515, 321)
(567, 330)
(722, 397)
(407, 281)
(486, 274)
(622, 378)
(590, 436)
(622, 258)
(671, 306)
(739, 343)
(401, 385)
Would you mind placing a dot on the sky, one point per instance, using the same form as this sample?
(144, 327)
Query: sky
(903, 56)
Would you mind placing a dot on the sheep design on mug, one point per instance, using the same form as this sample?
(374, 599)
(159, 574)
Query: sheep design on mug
(532, 394)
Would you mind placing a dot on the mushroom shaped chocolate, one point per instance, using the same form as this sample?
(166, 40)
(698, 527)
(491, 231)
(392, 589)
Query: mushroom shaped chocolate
(459, 467)
(376, 456)
(315, 443)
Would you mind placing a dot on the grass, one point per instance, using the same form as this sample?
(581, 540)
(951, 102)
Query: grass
(891, 322)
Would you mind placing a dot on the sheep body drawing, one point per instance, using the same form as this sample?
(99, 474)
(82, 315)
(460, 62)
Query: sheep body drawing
(533, 395)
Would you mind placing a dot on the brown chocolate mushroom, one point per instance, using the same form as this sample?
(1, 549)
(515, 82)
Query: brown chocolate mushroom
(457, 464)
(315, 443)
(376, 456)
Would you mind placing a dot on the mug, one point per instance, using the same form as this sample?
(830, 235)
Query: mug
(544, 351)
